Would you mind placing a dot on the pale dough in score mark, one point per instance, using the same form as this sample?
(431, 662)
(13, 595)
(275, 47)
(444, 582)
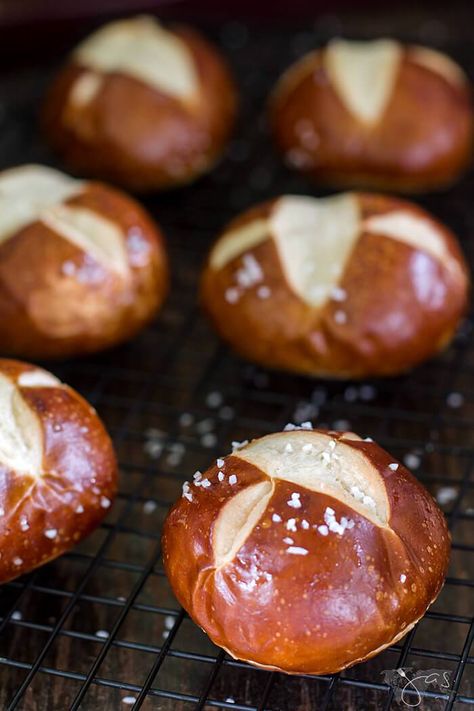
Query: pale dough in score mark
(313, 461)
(140, 48)
(363, 74)
(21, 437)
(315, 238)
(37, 193)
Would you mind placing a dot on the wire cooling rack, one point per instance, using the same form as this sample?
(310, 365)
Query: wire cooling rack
(100, 628)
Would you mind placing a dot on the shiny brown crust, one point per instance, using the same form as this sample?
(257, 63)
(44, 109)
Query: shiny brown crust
(47, 312)
(75, 488)
(423, 140)
(381, 282)
(159, 141)
(342, 603)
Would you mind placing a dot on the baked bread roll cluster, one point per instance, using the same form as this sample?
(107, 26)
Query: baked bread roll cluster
(375, 114)
(347, 286)
(141, 105)
(82, 266)
(306, 551)
(57, 466)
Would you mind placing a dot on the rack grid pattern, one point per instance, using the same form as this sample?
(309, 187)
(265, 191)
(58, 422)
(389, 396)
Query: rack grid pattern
(99, 628)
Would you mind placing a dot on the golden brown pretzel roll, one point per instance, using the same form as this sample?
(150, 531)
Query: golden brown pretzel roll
(82, 266)
(57, 466)
(375, 114)
(142, 105)
(346, 286)
(306, 551)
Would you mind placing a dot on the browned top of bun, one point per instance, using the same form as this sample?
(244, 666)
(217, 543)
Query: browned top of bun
(311, 551)
(418, 135)
(388, 286)
(57, 467)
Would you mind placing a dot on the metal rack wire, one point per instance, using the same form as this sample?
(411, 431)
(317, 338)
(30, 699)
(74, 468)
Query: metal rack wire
(99, 628)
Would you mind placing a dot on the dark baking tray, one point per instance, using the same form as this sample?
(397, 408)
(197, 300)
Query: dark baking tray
(100, 624)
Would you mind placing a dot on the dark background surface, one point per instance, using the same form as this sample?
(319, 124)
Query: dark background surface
(100, 624)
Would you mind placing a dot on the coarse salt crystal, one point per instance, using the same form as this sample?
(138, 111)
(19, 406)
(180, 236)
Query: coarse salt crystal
(288, 540)
(446, 494)
(105, 502)
(197, 476)
(17, 561)
(205, 483)
(232, 479)
(232, 295)
(51, 533)
(291, 524)
(276, 518)
(79, 509)
(455, 400)
(239, 445)
(221, 476)
(296, 550)
(340, 316)
(209, 440)
(186, 419)
(295, 503)
(304, 524)
(412, 460)
(214, 399)
(220, 462)
(403, 577)
(393, 466)
(338, 294)
(149, 507)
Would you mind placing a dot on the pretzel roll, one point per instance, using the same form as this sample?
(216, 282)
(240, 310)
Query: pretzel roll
(57, 466)
(306, 551)
(349, 286)
(375, 114)
(141, 105)
(82, 266)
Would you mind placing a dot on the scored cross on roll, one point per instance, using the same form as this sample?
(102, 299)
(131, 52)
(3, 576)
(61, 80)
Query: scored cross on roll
(57, 468)
(306, 551)
(347, 286)
(82, 266)
(375, 114)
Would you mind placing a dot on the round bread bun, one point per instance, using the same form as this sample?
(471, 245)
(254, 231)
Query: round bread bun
(306, 551)
(376, 115)
(348, 286)
(82, 266)
(144, 106)
(58, 468)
